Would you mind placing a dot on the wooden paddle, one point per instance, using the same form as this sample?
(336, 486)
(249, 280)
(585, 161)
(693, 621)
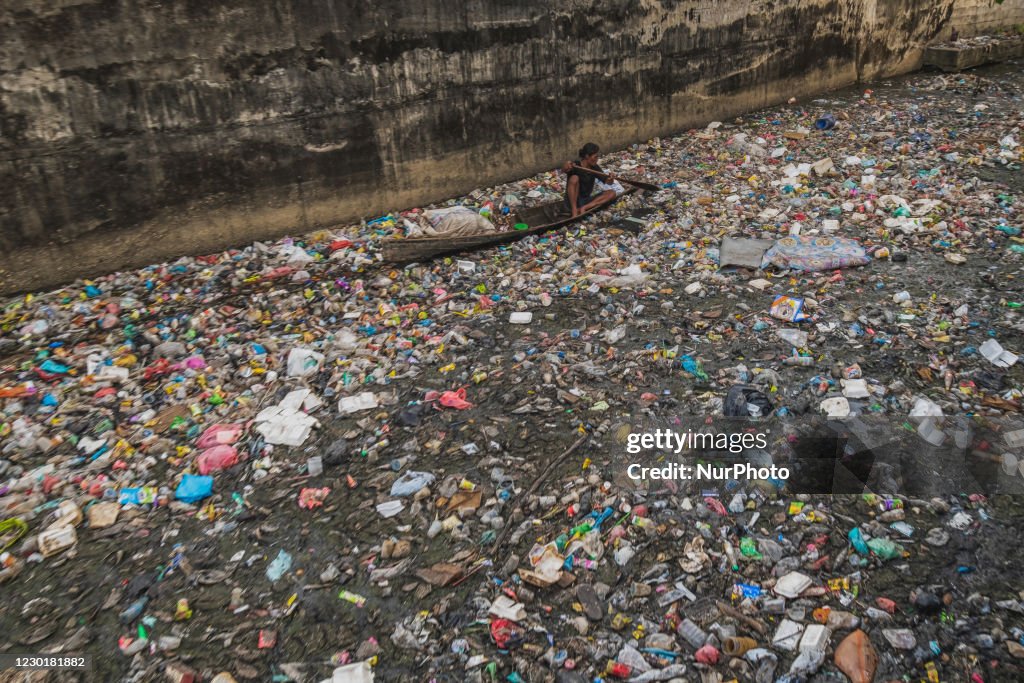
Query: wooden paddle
(604, 176)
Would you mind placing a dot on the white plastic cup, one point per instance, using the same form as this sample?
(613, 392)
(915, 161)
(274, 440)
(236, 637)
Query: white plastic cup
(1011, 466)
(315, 466)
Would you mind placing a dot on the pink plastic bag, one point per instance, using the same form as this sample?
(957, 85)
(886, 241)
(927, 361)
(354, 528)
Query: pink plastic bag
(707, 655)
(219, 434)
(217, 458)
(311, 498)
(455, 399)
(716, 506)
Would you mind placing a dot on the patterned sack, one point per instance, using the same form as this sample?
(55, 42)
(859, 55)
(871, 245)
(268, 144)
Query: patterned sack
(822, 252)
(788, 309)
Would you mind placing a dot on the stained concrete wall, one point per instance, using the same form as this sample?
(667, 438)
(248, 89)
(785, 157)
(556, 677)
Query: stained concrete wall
(133, 130)
(973, 17)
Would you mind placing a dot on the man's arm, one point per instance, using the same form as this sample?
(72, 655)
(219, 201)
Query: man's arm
(573, 190)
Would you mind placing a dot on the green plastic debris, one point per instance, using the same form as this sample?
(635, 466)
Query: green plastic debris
(885, 549)
(748, 547)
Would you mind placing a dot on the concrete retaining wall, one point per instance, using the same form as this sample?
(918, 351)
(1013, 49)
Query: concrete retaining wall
(974, 17)
(132, 130)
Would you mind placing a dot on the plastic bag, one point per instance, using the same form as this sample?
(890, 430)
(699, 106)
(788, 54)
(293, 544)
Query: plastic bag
(746, 401)
(885, 549)
(310, 498)
(692, 366)
(797, 338)
(807, 662)
(506, 634)
(765, 660)
(218, 434)
(353, 673)
(411, 482)
(281, 564)
(217, 458)
(455, 399)
(304, 362)
(857, 540)
(194, 488)
(707, 655)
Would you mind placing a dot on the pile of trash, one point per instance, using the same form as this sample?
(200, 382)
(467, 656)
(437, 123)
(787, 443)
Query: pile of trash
(295, 462)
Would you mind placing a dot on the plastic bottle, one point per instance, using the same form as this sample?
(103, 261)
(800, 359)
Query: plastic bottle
(133, 611)
(730, 552)
(692, 634)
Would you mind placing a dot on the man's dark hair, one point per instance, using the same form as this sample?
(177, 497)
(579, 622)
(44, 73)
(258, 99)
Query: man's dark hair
(588, 149)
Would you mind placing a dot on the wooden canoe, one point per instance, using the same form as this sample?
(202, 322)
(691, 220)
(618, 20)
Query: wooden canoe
(541, 218)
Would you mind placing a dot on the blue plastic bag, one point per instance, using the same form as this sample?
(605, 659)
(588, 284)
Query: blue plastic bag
(692, 366)
(411, 482)
(53, 367)
(858, 541)
(193, 488)
(281, 564)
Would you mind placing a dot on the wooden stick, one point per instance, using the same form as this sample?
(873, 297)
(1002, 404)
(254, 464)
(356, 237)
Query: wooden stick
(536, 484)
(604, 176)
(730, 611)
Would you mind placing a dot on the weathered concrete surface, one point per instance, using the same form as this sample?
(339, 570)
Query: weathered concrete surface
(950, 58)
(974, 17)
(132, 130)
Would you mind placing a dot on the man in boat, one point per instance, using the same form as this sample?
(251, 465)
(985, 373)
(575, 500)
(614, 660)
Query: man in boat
(580, 186)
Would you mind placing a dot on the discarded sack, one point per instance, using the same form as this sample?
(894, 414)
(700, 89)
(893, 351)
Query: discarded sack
(811, 253)
(454, 221)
